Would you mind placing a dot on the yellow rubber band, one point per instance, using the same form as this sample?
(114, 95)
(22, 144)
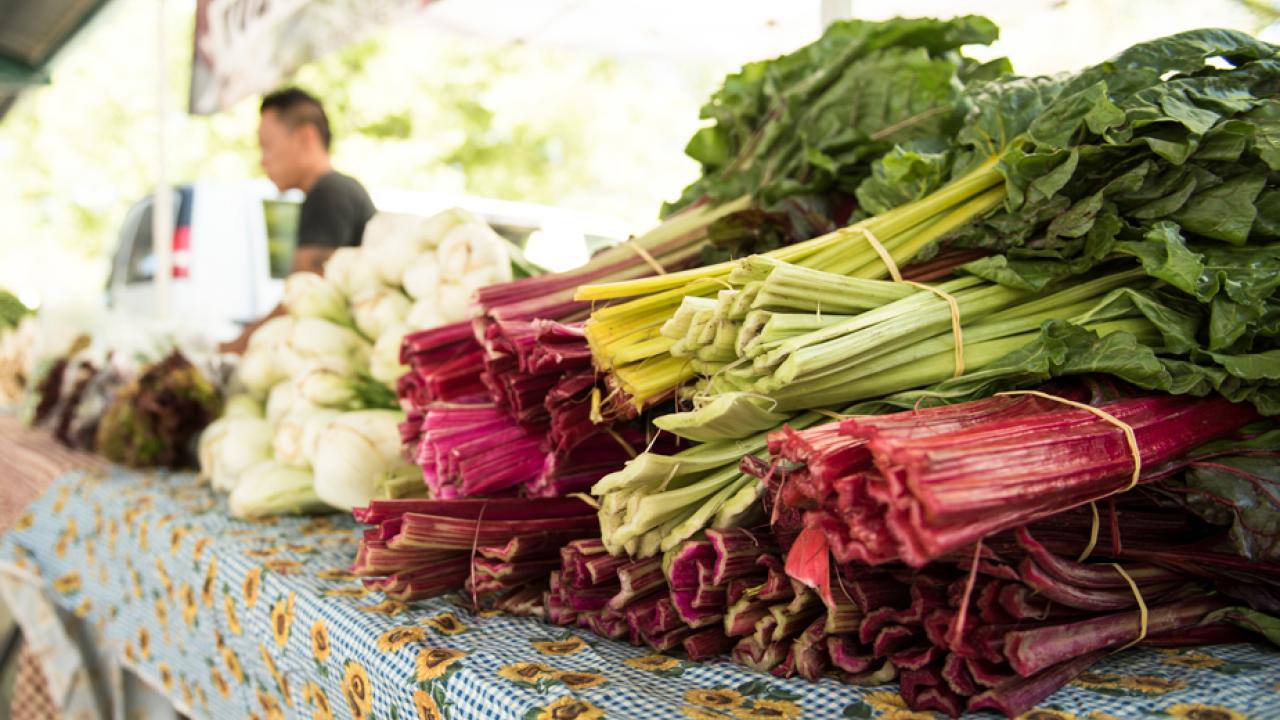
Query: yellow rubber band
(1126, 427)
(644, 255)
(954, 637)
(1093, 535)
(621, 441)
(595, 415)
(896, 274)
(586, 499)
(1142, 607)
(833, 415)
(475, 546)
(955, 321)
(674, 469)
(883, 252)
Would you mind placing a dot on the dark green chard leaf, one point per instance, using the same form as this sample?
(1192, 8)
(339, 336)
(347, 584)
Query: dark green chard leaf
(1224, 212)
(1236, 483)
(1266, 625)
(813, 120)
(1061, 349)
(903, 174)
(996, 114)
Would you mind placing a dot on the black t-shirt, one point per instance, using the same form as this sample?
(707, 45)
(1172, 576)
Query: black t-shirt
(334, 212)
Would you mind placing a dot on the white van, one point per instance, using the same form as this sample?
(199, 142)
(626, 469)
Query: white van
(233, 245)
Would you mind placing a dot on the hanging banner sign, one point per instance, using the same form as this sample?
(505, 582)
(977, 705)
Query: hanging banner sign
(248, 47)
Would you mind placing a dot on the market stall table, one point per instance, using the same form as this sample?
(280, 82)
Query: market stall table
(29, 461)
(261, 619)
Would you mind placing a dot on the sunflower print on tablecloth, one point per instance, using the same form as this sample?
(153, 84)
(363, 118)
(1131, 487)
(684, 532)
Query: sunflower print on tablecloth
(219, 682)
(445, 624)
(162, 617)
(319, 641)
(566, 708)
(1046, 714)
(197, 550)
(762, 709)
(187, 695)
(229, 607)
(1198, 711)
(752, 700)
(282, 683)
(426, 706)
(566, 667)
(886, 705)
(68, 583)
(568, 645)
(355, 591)
(60, 500)
(1098, 681)
(232, 663)
(526, 672)
(283, 567)
(163, 574)
(209, 584)
(176, 536)
(113, 535)
(433, 662)
(313, 695)
(270, 706)
(166, 675)
(718, 699)
(1152, 685)
(144, 643)
(337, 574)
(135, 583)
(250, 587)
(356, 690)
(580, 680)
(661, 665)
(386, 607)
(282, 618)
(190, 606)
(397, 638)
(1190, 658)
(65, 540)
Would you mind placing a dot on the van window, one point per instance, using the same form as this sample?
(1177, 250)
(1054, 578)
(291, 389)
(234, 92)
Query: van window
(282, 234)
(141, 264)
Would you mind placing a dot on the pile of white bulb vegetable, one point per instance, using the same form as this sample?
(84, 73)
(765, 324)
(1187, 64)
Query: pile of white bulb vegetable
(316, 425)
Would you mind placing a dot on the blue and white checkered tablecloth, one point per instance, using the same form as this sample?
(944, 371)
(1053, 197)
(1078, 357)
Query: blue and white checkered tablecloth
(238, 619)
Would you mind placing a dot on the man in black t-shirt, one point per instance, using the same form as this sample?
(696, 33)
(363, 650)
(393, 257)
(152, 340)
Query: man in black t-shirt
(293, 133)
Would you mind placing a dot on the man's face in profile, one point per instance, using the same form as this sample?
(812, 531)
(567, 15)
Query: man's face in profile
(281, 150)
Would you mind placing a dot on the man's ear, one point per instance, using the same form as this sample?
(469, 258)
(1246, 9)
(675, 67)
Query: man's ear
(311, 136)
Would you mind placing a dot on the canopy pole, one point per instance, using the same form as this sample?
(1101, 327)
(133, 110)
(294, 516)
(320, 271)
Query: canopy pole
(162, 203)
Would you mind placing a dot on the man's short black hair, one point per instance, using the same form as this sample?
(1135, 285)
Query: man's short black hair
(297, 107)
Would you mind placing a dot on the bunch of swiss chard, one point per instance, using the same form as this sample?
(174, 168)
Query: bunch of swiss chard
(988, 502)
(792, 138)
(1164, 157)
(1156, 161)
(1003, 630)
(494, 548)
